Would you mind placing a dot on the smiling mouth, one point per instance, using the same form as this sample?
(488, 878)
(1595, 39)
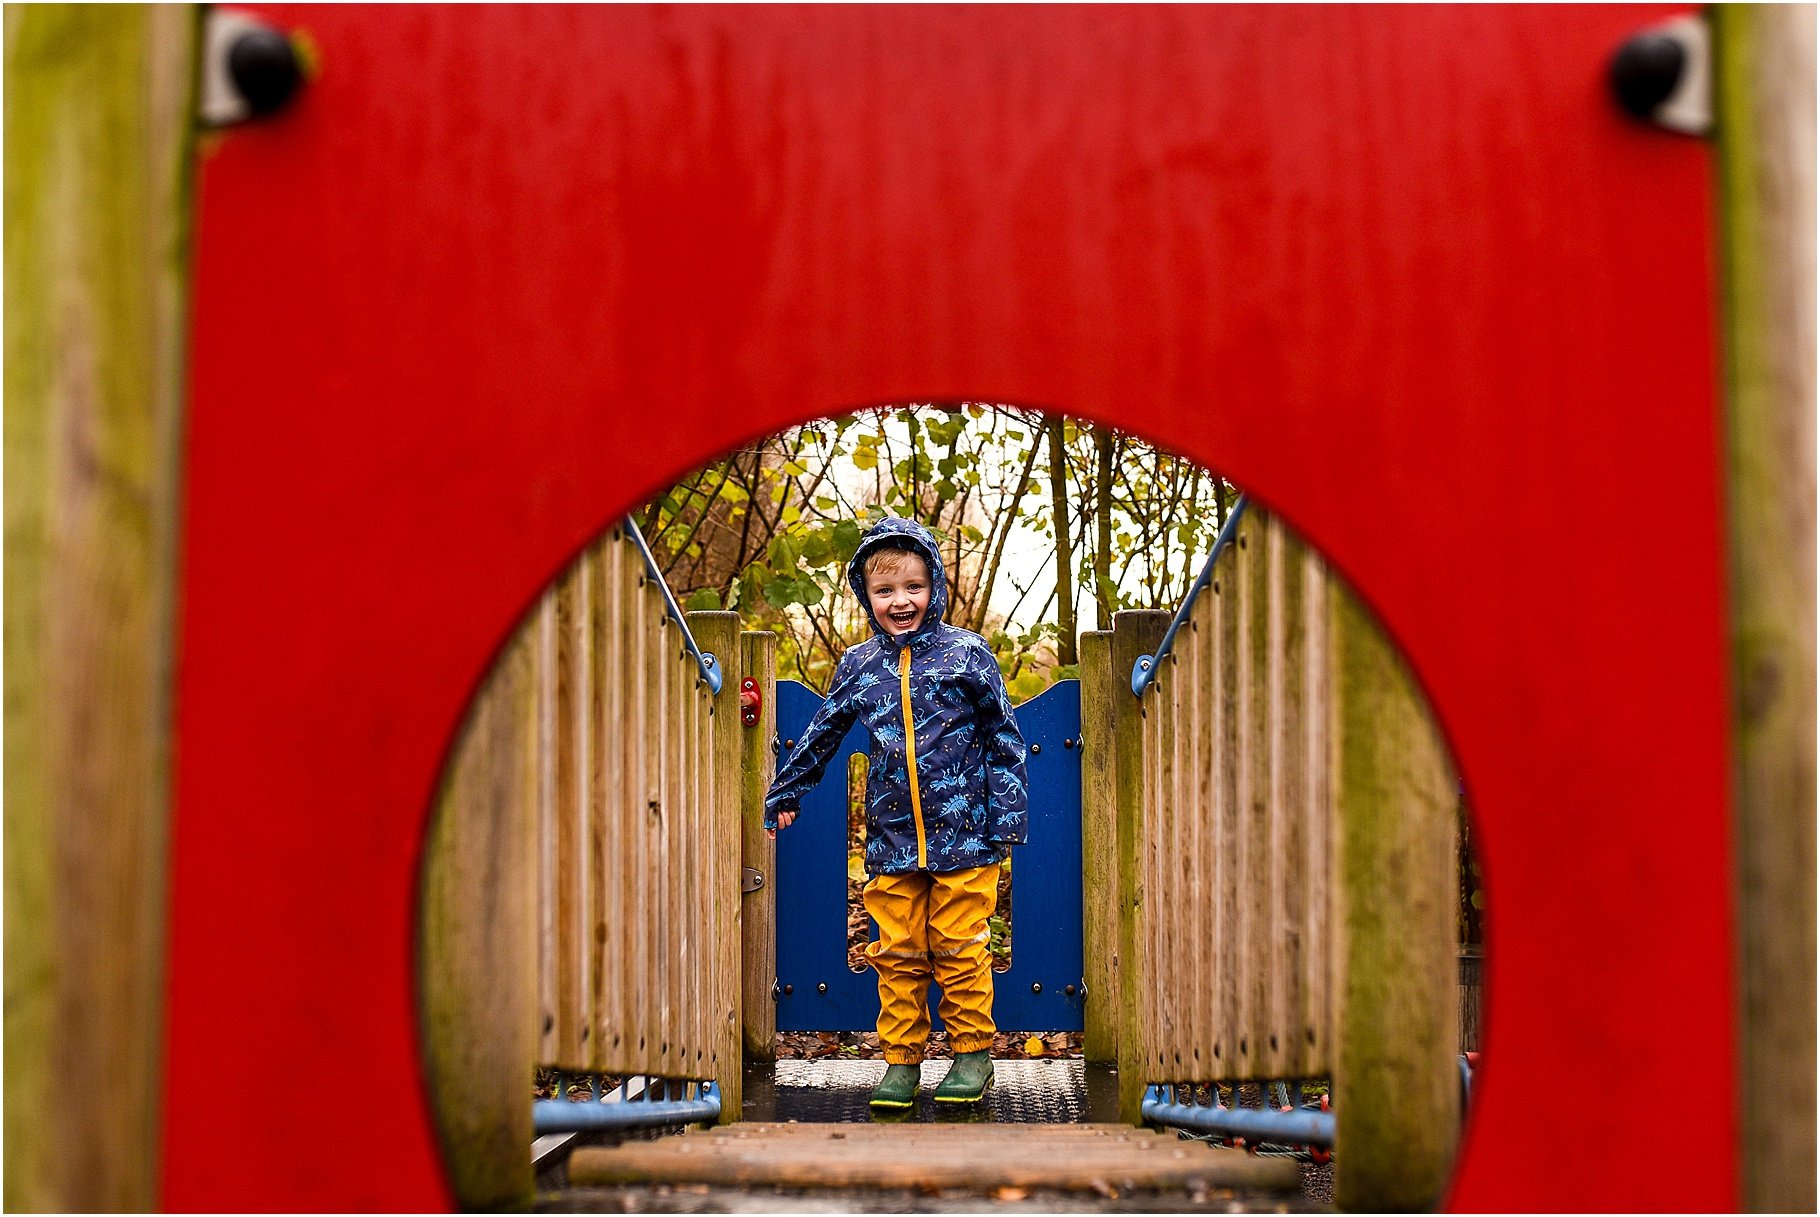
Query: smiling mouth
(903, 619)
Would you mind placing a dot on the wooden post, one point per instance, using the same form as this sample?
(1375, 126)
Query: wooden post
(719, 635)
(1764, 106)
(100, 106)
(1396, 1076)
(1099, 849)
(1133, 634)
(758, 764)
(478, 946)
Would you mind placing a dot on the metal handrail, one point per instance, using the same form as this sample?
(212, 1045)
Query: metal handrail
(1145, 669)
(560, 1115)
(710, 667)
(1303, 1127)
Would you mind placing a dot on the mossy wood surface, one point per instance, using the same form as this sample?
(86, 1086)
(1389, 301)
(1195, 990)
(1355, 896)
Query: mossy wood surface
(99, 147)
(1133, 634)
(1396, 1081)
(479, 944)
(758, 928)
(1099, 849)
(724, 908)
(1764, 107)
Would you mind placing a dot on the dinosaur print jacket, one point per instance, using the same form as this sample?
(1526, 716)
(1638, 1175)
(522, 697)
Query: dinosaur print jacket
(945, 784)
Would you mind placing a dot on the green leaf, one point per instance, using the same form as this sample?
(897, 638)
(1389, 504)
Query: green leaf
(865, 457)
(824, 502)
(846, 539)
(706, 600)
(780, 593)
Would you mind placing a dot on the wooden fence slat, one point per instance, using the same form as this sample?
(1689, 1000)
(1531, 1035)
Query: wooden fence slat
(100, 148)
(1295, 819)
(545, 684)
(1198, 980)
(635, 815)
(1280, 826)
(1763, 101)
(1227, 871)
(1099, 848)
(1399, 1114)
(607, 926)
(1134, 634)
(479, 950)
(570, 834)
(718, 633)
(758, 1013)
(647, 883)
(1256, 804)
(660, 893)
(585, 810)
(1317, 1029)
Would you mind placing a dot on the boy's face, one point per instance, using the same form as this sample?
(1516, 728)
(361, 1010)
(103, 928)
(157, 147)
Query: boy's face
(897, 584)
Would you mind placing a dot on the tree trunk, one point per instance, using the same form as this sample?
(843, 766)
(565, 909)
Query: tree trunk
(1102, 541)
(1064, 544)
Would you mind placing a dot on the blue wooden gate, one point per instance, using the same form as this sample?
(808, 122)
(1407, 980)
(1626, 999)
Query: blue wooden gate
(1042, 991)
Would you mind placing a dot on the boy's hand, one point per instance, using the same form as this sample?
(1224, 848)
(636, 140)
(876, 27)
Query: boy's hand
(784, 820)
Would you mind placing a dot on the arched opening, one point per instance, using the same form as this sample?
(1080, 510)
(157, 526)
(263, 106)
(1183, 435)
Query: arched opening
(1110, 524)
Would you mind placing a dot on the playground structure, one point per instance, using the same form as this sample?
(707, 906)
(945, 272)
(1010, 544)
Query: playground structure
(302, 413)
(1229, 796)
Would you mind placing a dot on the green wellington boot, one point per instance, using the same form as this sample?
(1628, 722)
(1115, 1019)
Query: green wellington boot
(898, 1087)
(969, 1078)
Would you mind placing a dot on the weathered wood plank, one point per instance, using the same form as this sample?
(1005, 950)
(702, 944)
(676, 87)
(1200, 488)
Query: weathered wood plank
(1395, 809)
(1253, 935)
(543, 762)
(570, 834)
(478, 951)
(98, 147)
(846, 1156)
(1764, 106)
(718, 633)
(610, 894)
(1133, 634)
(1316, 1034)
(1099, 849)
(1226, 894)
(758, 931)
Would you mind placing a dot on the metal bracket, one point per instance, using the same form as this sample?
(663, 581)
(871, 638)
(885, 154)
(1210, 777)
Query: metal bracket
(750, 880)
(751, 702)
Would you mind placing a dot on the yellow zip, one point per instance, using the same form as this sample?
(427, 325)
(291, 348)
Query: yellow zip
(916, 798)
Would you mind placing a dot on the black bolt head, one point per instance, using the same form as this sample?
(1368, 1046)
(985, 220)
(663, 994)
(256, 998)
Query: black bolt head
(1645, 71)
(789, 989)
(265, 70)
(822, 987)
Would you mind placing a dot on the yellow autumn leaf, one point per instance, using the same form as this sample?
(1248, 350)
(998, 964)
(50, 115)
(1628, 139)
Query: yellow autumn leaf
(1034, 1045)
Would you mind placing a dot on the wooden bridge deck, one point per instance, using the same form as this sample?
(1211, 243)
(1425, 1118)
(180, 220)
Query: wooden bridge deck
(1103, 1160)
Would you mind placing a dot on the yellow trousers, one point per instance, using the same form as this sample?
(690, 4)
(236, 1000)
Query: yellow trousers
(932, 927)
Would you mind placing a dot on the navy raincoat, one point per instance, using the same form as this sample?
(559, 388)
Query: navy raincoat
(967, 804)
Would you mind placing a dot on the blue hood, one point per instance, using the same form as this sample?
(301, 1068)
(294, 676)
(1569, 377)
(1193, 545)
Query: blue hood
(902, 533)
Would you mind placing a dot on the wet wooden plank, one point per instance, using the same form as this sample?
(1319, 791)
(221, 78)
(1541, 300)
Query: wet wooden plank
(954, 1157)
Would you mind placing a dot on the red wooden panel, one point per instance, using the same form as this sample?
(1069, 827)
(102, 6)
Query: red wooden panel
(1405, 273)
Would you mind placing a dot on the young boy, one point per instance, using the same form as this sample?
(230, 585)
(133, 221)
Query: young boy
(945, 802)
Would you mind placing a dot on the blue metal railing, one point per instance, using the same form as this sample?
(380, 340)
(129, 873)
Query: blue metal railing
(651, 1109)
(1307, 1126)
(710, 667)
(1146, 667)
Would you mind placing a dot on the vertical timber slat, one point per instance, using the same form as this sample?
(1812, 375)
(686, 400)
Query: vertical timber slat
(1099, 847)
(758, 935)
(718, 633)
(99, 141)
(479, 942)
(1763, 95)
(1398, 1109)
(543, 763)
(1134, 634)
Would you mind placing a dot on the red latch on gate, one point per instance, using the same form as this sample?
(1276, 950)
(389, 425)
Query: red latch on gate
(750, 702)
